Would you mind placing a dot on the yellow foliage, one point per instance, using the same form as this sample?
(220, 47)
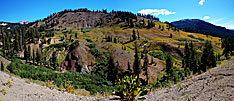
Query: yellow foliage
(8, 83)
(69, 88)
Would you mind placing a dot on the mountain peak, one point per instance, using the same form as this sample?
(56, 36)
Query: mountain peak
(200, 26)
(24, 22)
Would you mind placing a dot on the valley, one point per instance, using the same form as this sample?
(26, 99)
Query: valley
(96, 55)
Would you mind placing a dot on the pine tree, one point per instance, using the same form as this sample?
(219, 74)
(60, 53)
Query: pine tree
(38, 57)
(143, 23)
(129, 69)
(192, 56)
(29, 53)
(134, 35)
(169, 65)
(76, 35)
(186, 60)
(25, 53)
(208, 57)
(131, 23)
(152, 61)
(33, 56)
(145, 67)
(138, 35)
(136, 64)
(2, 67)
(149, 25)
(54, 59)
(112, 70)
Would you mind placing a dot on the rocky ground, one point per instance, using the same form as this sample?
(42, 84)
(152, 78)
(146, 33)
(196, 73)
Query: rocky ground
(214, 85)
(25, 91)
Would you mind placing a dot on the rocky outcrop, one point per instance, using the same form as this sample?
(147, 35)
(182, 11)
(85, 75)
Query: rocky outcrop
(77, 60)
(214, 85)
(82, 19)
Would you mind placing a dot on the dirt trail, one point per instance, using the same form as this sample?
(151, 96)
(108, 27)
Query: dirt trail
(25, 91)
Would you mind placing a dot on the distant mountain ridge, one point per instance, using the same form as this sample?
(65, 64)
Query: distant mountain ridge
(200, 26)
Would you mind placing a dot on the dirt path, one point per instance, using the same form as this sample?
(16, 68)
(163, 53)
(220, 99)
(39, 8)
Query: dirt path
(214, 85)
(25, 91)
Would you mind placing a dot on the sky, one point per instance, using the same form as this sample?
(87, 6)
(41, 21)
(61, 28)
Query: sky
(218, 12)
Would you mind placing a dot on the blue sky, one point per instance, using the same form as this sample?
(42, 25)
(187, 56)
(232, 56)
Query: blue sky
(219, 12)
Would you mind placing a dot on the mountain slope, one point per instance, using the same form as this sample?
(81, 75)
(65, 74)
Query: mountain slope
(196, 25)
(216, 84)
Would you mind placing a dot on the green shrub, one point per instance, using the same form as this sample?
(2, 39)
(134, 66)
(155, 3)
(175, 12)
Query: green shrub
(73, 45)
(92, 45)
(85, 30)
(88, 40)
(129, 87)
(158, 54)
(201, 39)
(75, 79)
(182, 39)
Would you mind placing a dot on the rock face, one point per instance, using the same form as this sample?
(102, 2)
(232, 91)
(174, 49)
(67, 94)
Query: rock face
(77, 60)
(84, 19)
(214, 85)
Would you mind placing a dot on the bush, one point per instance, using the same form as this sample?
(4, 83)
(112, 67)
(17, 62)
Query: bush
(88, 40)
(72, 79)
(92, 45)
(85, 30)
(129, 87)
(182, 39)
(201, 39)
(158, 54)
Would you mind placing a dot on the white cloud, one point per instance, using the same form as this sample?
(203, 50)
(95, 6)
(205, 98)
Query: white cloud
(156, 12)
(228, 25)
(206, 17)
(201, 2)
(224, 23)
(217, 20)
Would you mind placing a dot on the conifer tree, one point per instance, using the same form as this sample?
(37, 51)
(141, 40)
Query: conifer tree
(25, 53)
(134, 35)
(54, 59)
(131, 23)
(33, 53)
(136, 64)
(145, 66)
(129, 69)
(149, 25)
(152, 60)
(208, 57)
(2, 66)
(112, 70)
(29, 53)
(186, 60)
(192, 56)
(38, 57)
(169, 65)
(138, 35)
